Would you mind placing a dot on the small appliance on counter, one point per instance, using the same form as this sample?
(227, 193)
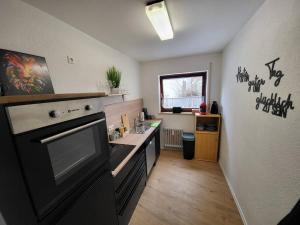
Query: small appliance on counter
(139, 124)
(142, 116)
(146, 113)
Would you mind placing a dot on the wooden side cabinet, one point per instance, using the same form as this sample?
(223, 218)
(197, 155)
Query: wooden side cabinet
(207, 134)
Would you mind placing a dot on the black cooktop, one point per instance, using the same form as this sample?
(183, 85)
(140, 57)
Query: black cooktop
(118, 153)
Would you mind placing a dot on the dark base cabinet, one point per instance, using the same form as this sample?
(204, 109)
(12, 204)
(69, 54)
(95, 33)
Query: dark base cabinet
(96, 206)
(126, 213)
(129, 185)
(131, 180)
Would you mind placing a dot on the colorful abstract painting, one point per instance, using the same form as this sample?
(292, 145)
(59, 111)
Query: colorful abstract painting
(24, 74)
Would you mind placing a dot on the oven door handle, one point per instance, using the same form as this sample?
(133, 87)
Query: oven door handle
(71, 131)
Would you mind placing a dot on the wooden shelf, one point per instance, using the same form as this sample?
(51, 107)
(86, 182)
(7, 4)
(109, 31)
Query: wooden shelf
(114, 98)
(207, 115)
(47, 97)
(171, 113)
(111, 95)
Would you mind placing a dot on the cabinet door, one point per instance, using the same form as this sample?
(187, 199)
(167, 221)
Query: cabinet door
(197, 146)
(206, 146)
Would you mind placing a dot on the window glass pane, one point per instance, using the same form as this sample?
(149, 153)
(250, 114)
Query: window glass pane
(185, 92)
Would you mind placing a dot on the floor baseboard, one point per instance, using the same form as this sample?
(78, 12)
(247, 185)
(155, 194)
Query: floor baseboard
(234, 196)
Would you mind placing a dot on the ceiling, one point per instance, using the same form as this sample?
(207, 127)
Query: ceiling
(200, 26)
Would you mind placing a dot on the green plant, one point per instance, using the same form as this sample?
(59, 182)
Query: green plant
(113, 77)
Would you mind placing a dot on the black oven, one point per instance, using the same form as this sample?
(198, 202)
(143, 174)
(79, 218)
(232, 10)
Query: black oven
(60, 146)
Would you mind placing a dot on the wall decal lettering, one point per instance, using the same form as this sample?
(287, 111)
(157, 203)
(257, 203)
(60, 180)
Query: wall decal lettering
(255, 84)
(277, 105)
(242, 76)
(274, 73)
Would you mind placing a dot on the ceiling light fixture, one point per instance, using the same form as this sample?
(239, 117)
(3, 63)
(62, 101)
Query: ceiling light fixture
(158, 15)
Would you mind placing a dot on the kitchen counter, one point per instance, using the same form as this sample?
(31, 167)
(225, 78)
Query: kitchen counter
(132, 139)
(46, 97)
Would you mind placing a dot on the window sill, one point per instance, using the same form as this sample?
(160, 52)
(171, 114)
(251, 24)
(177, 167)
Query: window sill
(171, 113)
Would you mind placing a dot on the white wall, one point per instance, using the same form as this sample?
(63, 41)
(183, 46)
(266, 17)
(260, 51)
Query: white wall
(260, 153)
(150, 86)
(27, 29)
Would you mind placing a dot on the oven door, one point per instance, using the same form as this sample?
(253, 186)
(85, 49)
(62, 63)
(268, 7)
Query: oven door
(58, 159)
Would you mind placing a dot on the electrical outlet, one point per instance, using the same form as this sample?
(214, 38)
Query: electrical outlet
(70, 60)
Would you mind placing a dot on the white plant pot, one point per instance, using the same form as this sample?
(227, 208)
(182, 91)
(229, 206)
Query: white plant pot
(115, 90)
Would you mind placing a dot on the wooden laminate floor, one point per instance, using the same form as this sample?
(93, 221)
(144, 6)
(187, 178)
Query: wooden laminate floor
(184, 192)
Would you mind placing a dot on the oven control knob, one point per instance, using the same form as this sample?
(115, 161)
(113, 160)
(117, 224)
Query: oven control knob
(54, 114)
(88, 107)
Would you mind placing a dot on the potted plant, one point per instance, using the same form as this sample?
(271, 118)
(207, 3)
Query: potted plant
(114, 78)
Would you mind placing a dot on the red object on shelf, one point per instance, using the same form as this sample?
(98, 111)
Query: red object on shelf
(203, 108)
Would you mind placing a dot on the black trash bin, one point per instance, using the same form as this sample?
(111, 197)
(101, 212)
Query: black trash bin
(188, 141)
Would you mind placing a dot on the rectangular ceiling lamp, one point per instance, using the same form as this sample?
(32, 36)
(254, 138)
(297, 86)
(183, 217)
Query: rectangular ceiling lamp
(158, 15)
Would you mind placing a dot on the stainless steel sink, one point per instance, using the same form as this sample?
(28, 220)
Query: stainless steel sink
(141, 128)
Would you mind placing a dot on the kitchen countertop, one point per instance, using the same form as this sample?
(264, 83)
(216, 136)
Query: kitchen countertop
(132, 139)
(46, 97)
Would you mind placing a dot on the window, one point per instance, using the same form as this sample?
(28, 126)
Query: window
(182, 90)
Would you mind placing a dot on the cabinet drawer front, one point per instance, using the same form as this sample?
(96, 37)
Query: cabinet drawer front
(128, 181)
(123, 201)
(127, 211)
(128, 167)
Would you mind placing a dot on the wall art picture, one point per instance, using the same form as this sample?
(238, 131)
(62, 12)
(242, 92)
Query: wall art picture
(24, 74)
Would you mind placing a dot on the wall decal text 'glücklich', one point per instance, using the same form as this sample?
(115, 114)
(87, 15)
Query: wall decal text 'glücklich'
(277, 105)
